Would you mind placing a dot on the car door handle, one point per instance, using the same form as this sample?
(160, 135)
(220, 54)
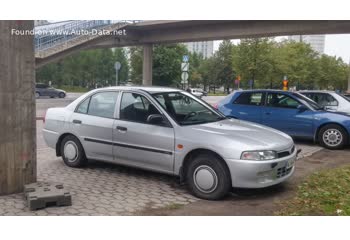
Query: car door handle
(77, 121)
(123, 129)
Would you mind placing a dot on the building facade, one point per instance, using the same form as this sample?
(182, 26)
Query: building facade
(317, 42)
(205, 48)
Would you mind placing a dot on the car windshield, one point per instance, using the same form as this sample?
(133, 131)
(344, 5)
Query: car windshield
(186, 110)
(308, 101)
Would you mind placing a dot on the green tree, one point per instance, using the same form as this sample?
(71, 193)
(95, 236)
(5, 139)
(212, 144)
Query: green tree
(167, 64)
(136, 65)
(253, 60)
(224, 58)
(121, 56)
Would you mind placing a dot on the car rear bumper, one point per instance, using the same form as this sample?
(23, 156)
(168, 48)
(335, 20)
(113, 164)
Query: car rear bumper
(259, 174)
(50, 137)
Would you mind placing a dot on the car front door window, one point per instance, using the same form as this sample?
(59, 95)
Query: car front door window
(137, 108)
(281, 101)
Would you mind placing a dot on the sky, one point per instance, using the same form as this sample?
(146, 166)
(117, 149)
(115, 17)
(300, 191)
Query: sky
(336, 45)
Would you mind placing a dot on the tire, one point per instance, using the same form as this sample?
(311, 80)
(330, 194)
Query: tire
(37, 95)
(72, 151)
(332, 136)
(61, 95)
(208, 166)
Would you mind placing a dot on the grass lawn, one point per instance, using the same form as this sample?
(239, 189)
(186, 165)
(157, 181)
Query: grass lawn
(323, 193)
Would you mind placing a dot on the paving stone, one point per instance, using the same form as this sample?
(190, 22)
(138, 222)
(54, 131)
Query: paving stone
(105, 189)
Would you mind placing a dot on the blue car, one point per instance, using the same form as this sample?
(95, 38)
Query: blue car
(289, 112)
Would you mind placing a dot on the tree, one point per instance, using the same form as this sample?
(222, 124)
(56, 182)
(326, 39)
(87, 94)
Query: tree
(297, 60)
(253, 61)
(136, 65)
(120, 56)
(167, 64)
(224, 58)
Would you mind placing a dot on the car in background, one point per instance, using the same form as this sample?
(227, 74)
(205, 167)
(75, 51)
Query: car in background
(196, 92)
(347, 95)
(331, 101)
(290, 112)
(170, 131)
(44, 90)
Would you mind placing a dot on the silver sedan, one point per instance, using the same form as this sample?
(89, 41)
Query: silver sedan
(168, 130)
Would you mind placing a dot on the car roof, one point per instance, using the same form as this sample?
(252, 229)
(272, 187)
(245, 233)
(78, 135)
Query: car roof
(317, 91)
(265, 90)
(149, 89)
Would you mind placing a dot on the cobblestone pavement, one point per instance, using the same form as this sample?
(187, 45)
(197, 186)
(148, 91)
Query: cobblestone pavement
(105, 189)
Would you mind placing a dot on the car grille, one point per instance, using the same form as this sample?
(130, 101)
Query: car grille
(283, 171)
(286, 153)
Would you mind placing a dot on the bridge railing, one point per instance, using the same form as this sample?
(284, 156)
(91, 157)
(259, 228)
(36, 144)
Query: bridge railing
(48, 36)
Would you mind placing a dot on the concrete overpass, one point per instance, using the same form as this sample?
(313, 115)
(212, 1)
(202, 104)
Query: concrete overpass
(18, 62)
(147, 33)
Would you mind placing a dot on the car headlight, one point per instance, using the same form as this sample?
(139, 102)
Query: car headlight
(259, 155)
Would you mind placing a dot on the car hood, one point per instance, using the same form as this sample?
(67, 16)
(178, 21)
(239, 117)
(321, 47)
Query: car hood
(250, 136)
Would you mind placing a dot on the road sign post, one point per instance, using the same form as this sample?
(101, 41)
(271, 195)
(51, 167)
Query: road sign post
(184, 69)
(117, 67)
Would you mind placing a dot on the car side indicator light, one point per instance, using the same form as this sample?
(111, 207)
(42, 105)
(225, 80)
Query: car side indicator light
(180, 146)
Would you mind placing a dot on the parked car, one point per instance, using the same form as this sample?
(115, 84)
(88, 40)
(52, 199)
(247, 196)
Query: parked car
(196, 92)
(44, 90)
(290, 112)
(170, 131)
(331, 101)
(347, 95)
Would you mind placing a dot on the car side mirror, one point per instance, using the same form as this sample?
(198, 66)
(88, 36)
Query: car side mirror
(302, 108)
(156, 119)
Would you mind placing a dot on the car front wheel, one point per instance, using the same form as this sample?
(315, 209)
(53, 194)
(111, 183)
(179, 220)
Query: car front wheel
(72, 152)
(333, 136)
(208, 177)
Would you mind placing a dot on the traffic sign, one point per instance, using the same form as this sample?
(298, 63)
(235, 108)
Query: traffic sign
(117, 65)
(185, 58)
(184, 77)
(185, 66)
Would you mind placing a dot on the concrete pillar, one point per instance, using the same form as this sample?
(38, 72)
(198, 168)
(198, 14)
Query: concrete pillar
(17, 104)
(147, 65)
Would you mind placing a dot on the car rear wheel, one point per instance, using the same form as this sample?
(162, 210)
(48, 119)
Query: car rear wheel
(37, 95)
(208, 177)
(332, 136)
(72, 152)
(61, 95)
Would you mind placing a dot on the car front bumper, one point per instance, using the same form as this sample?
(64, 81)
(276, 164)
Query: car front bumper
(259, 174)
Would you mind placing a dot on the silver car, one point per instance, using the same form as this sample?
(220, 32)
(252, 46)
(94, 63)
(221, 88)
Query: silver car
(168, 130)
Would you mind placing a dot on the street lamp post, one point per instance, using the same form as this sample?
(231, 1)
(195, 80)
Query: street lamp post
(117, 67)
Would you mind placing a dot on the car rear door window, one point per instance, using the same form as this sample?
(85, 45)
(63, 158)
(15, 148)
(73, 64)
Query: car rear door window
(254, 99)
(281, 101)
(326, 99)
(135, 107)
(102, 104)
